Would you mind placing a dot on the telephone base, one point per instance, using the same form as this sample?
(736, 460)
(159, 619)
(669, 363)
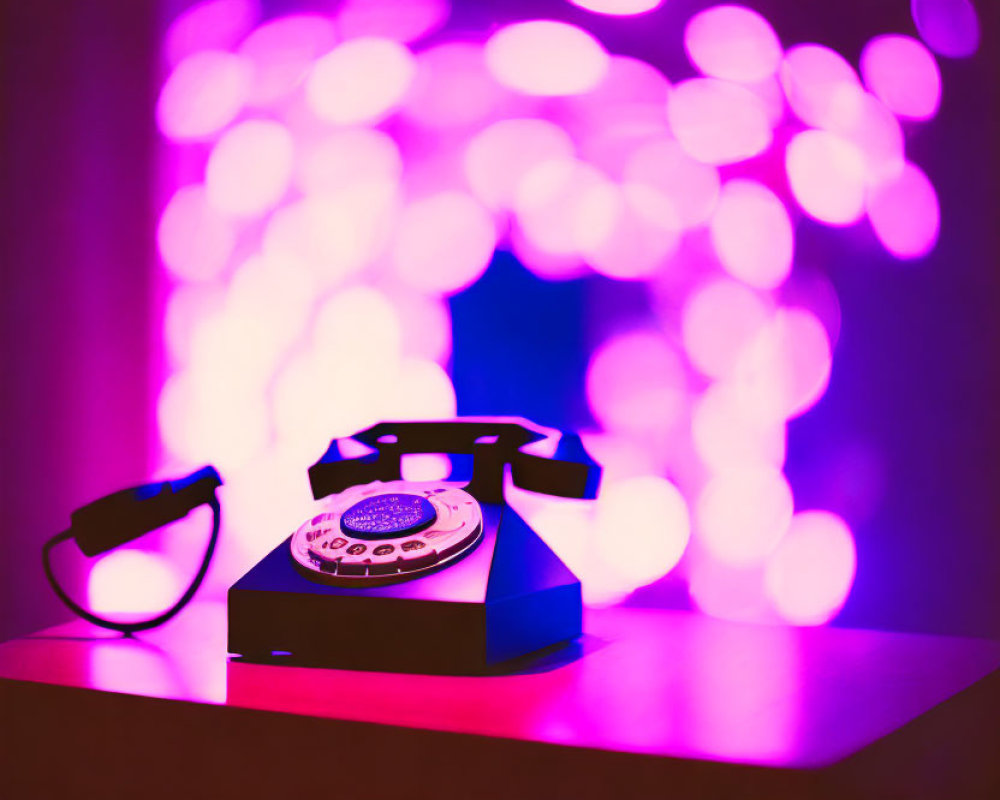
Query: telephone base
(509, 597)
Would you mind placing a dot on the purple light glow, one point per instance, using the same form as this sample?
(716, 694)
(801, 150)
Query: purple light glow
(546, 58)
(736, 683)
(827, 177)
(360, 81)
(785, 369)
(729, 592)
(812, 76)
(949, 27)
(743, 513)
(210, 25)
(732, 42)
(718, 321)
(618, 8)
(566, 207)
(728, 435)
(336, 214)
(901, 73)
(691, 186)
(810, 573)
(453, 87)
(348, 157)
(249, 168)
(548, 266)
(400, 20)
(188, 306)
(644, 234)
(636, 384)
(426, 325)
(752, 234)
(609, 143)
(718, 122)
(499, 157)
(132, 583)
(862, 120)
(642, 528)
(335, 234)
(195, 240)
(627, 83)
(282, 52)
(203, 94)
(904, 213)
(444, 242)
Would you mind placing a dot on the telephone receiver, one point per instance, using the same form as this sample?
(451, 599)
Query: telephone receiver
(126, 515)
(493, 444)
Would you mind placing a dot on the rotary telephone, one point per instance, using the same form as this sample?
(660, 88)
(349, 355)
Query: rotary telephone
(418, 576)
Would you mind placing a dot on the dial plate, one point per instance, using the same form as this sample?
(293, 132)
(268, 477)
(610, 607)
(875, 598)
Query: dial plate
(383, 532)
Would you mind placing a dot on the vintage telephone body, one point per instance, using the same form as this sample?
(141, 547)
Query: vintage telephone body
(507, 597)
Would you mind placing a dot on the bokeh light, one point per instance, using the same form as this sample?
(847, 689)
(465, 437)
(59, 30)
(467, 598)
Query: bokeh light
(618, 8)
(348, 157)
(691, 186)
(904, 213)
(812, 77)
(426, 325)
(334, 234)
(209, 25)
(566, 206)
(452, 87)
(902, 74)
(249, 168)
(128, 584)
(949, 27)
(732, 42)
(422, 391)
(718, 122)
(862, 119)
(444, 242)
(282, 52)
(548, 58)
(636, 383)
(400, 20)
(187, 307)
(827, 176)
(630, 94)
(341, 174)
(195, 240)
(786, 367)
(644, 233)
(730, 592)
(198, 422)
(718, 321)
(752, 234)
(568, 528)
(810, 572)
(498, 158)
(203, 94)
(743, 513)
(642, 527)
(360, 81)
(728, 434)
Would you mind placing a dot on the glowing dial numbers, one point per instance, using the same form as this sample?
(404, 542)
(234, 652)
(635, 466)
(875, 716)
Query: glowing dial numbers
(374, 533)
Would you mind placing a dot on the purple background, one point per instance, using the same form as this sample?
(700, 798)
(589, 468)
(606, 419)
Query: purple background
(915, 374)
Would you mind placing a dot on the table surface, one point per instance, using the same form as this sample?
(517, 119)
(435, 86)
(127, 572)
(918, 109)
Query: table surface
(658, 682)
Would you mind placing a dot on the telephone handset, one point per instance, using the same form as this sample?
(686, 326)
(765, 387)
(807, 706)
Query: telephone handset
(419, 575)
(493, 444)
